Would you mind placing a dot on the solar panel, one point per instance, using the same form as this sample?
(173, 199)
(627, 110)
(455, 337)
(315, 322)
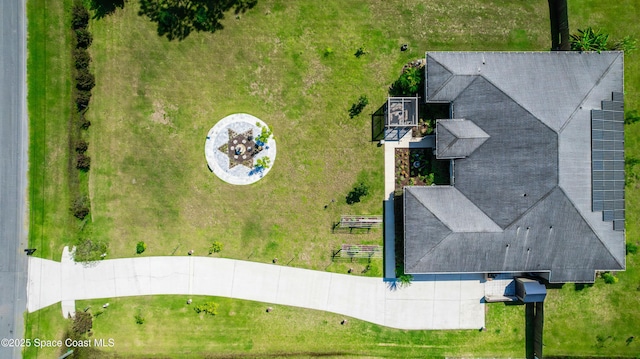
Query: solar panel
(607, 216)
(607, 156)
(608, 205)
(618, 136)
(598, 196)
(608, 195)
(618, 126)
(618, 195)
(618, 116)
(617, 96)
(597, 114)
(597, 206)
(618, 175)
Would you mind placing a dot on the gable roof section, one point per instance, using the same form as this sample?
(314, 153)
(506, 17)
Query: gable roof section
(458, 138)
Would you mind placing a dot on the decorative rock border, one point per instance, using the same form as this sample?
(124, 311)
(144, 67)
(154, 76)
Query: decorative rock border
(219, 162)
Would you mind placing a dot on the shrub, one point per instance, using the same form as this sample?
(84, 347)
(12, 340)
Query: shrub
(139, 319)
(631, 117)
(264, 134)
(263, 162)
(632, 248)
(89, 250)
(357, 107)
(216, 247)
(82, 98)
(83, 162)
(609, 278)
(82, 146)
(403, 278)
(81, 58)
(80, 207)
(361, 51)
(408, 84)
(356, 193)
(589, 40)
(83, 38)
(141, 247)
(84, 123)
(210, 308)
(85, 80)
(328, 52)
(627, 44)
(82, 323)
(79, 17)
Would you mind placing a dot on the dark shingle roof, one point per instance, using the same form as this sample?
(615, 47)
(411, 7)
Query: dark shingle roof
(521, 200)
(458, 138)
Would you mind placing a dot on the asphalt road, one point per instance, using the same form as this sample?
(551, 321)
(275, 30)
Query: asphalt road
(13, 167)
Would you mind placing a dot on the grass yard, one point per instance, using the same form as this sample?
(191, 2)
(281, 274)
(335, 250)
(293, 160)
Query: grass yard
(293, 66)
(245, 329)
(49, 106)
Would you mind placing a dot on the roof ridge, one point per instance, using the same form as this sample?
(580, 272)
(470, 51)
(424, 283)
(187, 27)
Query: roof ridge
(432, 249)
(451, 75)
(427, 208)
(534, 205)
(517, 103)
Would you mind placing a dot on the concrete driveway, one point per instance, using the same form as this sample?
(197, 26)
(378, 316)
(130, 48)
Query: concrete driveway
(434, 302)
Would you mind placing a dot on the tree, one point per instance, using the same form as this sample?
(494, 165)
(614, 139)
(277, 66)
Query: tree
(82, 102)
(102, 8)
(357, 107)
(81, 58)
(83, 38)
(83, 162)
(85, 80)
(80, 17)
(80, 207)
(178, 18)
(82, 323)
(82, 146)
(357, 192)
(409, 83)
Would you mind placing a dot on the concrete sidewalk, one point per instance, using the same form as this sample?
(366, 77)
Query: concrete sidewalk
(436, 302)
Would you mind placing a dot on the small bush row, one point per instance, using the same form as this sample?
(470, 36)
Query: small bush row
(84, 83)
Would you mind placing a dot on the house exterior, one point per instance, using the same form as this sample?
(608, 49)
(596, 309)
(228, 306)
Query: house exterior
(536, 144)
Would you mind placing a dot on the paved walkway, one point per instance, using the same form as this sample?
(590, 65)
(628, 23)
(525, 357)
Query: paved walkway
(434, 302)
(389, 188)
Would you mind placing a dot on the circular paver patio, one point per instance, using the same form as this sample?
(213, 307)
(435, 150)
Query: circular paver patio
(231, 149)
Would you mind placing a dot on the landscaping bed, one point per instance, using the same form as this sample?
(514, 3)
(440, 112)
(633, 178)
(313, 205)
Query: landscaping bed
(419, 167)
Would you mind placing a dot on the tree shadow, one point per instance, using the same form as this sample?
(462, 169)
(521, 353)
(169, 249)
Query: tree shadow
(103, 8)
(176, 19)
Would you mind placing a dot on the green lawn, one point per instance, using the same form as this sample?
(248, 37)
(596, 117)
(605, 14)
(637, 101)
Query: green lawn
(244, 329)
(155, 101)
(49, 106)
(153, 105)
